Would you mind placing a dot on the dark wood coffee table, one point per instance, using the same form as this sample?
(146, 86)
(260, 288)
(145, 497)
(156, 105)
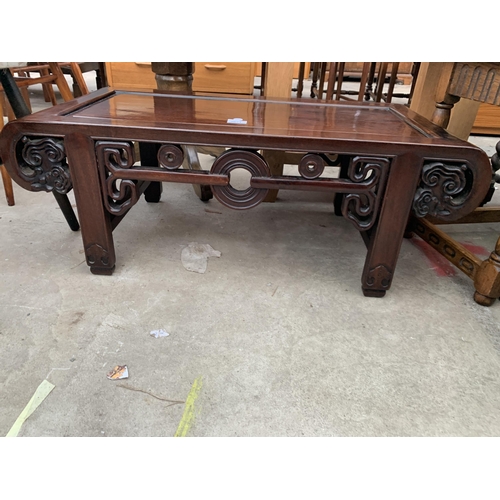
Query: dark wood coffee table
(391, 161)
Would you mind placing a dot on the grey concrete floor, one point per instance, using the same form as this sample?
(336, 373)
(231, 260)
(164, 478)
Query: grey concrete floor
(276, 331)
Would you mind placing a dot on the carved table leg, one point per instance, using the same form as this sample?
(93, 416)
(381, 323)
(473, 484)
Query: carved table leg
(487, 280)
(95, 220)
(387, 236)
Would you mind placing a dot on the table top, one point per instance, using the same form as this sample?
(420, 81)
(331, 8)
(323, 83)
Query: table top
(246, 122)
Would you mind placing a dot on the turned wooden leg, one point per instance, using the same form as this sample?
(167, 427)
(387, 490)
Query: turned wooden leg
(314, 84)
(387, 236)
(95, 220)
(487, 280)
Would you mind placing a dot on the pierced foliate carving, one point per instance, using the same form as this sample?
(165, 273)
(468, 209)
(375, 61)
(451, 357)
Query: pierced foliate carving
(43, 164)
(443, 188)
(119, 194)
(362, 208)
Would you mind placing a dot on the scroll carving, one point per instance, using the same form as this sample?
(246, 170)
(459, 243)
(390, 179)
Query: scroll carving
(362, 208)
(43, 164)
(443, 188)
(119, 194)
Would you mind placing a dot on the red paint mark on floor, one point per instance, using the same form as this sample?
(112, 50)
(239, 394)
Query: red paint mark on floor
(437, 262)
(476, 249)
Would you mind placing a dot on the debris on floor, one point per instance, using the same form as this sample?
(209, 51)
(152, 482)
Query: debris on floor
(189, 410)
(43, 390)
(159, 333)
(118, 373)
(195, 256)
(172, 401)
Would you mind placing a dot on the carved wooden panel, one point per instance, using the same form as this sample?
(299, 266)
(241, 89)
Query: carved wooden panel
(476, 81)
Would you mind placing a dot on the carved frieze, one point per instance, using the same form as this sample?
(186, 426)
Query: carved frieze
(362, 208)
(119, 194)
(477, 81)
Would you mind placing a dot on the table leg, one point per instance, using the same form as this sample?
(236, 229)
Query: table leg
(95, 220)
(148, 154)
(387, 236)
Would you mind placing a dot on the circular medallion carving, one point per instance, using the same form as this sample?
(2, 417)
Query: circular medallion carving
(170, 157)
(246, 160)
(311, 166)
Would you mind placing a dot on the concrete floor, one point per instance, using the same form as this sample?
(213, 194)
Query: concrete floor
(277, 332)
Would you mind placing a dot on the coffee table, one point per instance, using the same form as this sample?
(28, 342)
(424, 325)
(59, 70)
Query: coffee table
(390, 161)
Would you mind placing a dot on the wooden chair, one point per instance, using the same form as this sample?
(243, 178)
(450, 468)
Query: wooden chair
(333, 75)
(479, 82)
(372, 75)
(48, 74)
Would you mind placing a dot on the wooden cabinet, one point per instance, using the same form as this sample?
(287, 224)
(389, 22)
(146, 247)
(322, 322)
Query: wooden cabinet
(487, 120)
(224, 77)
(296, 65)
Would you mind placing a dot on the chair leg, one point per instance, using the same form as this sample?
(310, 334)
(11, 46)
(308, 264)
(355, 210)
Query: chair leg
(487, 279)
(48, 89)
(61, 82)
(76, 72)
(7, 186)
(21, 109)
(300, 84)
(7, 181)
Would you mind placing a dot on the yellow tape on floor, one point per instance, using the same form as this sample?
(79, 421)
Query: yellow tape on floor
(188, 415)
(41, 393)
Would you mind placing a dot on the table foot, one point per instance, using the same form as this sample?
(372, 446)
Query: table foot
(102, 271)
(373, 293)
(152, 194)
(484, 300)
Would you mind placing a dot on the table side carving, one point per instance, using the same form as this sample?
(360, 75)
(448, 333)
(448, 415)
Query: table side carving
(362, 208)
(42, 163)
(443, 188)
